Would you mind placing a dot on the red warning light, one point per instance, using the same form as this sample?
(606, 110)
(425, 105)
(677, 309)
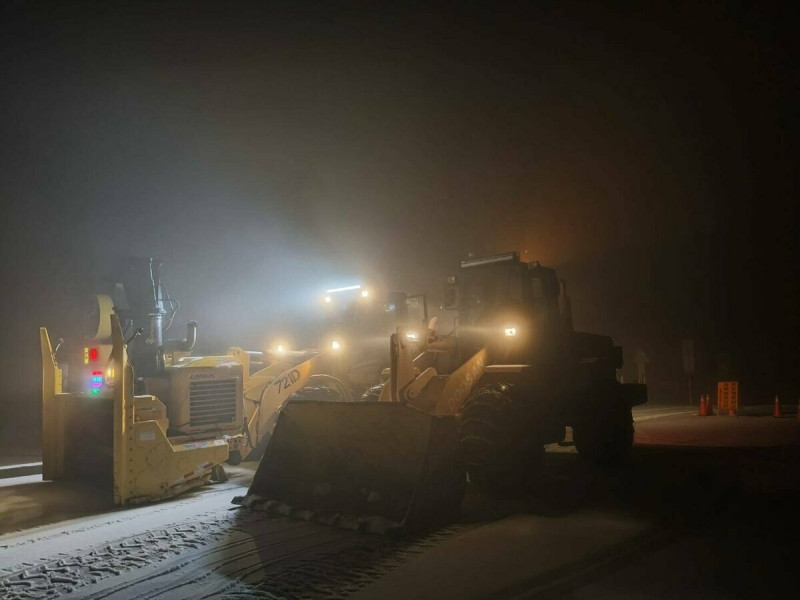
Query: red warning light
(93, 354)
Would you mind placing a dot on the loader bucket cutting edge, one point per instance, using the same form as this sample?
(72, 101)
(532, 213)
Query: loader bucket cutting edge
(376, 462)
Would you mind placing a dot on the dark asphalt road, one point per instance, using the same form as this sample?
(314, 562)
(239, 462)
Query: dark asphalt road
(715, 501)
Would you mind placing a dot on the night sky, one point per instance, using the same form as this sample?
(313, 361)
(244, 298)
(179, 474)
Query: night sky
(267, 153)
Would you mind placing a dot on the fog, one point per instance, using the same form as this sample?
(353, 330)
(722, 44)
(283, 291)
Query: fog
(267, 155)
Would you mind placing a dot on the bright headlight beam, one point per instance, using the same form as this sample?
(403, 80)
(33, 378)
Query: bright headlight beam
(364, 293)
(335, 345)
(327, 299)
(411, 336)
(346, 288)
(511, 331)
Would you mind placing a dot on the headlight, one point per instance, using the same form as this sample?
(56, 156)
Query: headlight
(335, 345)
(280, 349)
(364, 293)
(511, 331)
(326, 299)
(412, 336)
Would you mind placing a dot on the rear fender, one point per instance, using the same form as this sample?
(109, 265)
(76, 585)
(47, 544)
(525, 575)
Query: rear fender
(635, 394)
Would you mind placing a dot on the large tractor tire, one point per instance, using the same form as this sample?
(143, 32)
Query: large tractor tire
(373, 393)
(322, 393)
(234, 458)
(497, 444)
(603, 433)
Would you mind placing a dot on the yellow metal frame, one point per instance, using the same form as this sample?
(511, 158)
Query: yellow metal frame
(52, 464)
(147, 466)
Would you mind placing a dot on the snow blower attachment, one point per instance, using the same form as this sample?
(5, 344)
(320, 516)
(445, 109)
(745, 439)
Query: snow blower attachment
(119, 439)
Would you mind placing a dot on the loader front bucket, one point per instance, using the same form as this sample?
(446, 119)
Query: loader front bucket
(367, 466)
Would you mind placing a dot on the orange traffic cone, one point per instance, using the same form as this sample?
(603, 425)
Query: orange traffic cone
(703, 412)
(777, 412)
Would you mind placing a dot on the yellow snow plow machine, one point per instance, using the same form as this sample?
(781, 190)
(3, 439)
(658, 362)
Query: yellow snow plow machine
(140, 412)
(353, 322)
(478, 403)
(119, 438)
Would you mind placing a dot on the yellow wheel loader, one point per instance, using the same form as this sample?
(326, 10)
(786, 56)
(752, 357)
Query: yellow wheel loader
(481, 402)
(351, 326)
(266, 392)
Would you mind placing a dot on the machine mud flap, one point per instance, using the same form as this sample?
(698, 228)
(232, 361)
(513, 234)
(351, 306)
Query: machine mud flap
(369, 466)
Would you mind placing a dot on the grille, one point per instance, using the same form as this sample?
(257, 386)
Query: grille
(212, 401)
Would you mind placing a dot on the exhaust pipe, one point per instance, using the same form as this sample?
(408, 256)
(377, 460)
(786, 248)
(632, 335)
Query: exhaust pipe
(191, 336)
(186, 344)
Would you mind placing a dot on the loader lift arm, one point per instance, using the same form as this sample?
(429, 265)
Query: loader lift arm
(268, 390)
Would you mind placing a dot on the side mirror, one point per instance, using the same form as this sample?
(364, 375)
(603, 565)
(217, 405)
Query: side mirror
(432, 324)
(451, 297)
(417, 308)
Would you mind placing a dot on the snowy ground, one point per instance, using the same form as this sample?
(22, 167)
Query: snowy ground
(581, 534)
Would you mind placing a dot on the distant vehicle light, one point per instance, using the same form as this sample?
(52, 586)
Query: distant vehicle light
(327, 299)
(364, 293)
(280, 349)
(511, 331)
(346, 288)
(487, 260)
(411, 336)
(335, 345)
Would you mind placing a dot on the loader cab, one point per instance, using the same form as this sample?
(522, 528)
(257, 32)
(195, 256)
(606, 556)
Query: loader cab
(509, 305)
(356, 312)
(369, 315)
(357, 322)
